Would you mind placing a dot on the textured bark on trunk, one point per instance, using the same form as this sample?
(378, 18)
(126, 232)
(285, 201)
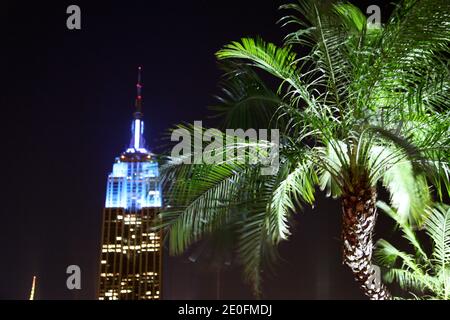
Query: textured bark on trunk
(358, 222)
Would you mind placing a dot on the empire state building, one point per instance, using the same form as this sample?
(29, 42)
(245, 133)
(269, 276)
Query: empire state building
(131, 256)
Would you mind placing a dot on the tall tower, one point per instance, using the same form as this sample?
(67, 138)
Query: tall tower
(33, 288)
(131, 256)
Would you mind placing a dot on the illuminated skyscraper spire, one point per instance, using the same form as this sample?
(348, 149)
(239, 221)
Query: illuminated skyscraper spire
(138, 104)
(133, 184)
(133, 199)
(137, 143)
(33, 286)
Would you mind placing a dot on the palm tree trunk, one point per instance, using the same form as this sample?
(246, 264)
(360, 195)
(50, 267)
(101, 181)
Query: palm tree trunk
(359, 217)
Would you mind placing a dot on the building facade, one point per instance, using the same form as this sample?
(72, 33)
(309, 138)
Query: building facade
(131, 253)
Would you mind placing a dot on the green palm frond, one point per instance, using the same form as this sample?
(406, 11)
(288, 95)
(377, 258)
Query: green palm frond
(408, 280)
(200, 202)
(408, 232)
(333, 158)
(294, 187)
(351, 16)
(245, 101)
(410, 274)
(409, 194)
(428, 275)
(256, 250)
(412, 41)
(439, 175)
(388, 255)
(438, 228)
(280, 62)
(325, 28)
(259, 232)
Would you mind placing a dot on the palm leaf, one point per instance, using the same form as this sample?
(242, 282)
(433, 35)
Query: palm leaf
(293, 187)
(438, 228)
(408, 232)
(245, 101)
(409, 194)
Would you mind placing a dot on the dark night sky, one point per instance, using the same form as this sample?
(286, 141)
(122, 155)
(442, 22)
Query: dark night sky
(66, 110)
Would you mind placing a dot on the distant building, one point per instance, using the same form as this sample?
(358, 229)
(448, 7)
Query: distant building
(33, 288)
(131, 256)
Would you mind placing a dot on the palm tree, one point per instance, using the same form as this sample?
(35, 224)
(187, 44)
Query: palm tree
(366, 107)
(425, 274)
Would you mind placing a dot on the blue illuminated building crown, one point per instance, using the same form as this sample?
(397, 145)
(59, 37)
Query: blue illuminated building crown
(134, 182)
